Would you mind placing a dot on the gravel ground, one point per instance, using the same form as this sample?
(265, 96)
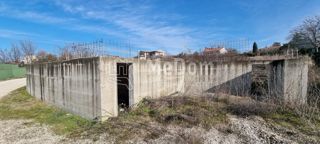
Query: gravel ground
(239, 131)
(28, 132)
(25, 131)
(250, 130)
(7, 86)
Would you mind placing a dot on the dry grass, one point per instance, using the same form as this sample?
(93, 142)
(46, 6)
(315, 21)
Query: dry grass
(151, 118)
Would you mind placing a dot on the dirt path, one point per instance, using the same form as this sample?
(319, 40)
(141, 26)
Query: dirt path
(7, 86)
(24, 131)
(29, 132)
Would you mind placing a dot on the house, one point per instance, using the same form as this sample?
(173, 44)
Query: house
(215, 51)
(29, 59)
(151, 54)
(274, 47)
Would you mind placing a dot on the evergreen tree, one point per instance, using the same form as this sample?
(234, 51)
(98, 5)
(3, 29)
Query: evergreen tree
(255, 48)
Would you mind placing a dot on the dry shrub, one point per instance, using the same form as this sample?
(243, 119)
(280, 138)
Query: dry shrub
(310, 111)
(186, 111)
(150, 118)
(248, 107)
(314, 86)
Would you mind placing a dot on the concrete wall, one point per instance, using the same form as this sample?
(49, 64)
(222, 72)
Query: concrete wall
(72, 85)
(88, 87)
(155, 78)
(296, 80)
(149, 78)
(227, 77)
(289, 80)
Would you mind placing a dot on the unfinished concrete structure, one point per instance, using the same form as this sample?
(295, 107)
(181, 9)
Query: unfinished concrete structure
(96, 87)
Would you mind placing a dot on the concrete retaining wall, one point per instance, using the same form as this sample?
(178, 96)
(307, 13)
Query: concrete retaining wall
(88, 87)
(289, 80)
(149, 78)
(154, 78)
(227, 77)
(72, 85)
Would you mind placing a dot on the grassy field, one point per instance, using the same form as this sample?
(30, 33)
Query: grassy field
(11, 71)
(151, 117)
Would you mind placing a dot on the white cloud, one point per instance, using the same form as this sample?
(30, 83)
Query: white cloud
(124, 20)
(63, 22)
(41, 17)
(134, 19)
(13, 34)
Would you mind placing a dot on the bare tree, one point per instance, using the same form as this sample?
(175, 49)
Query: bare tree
(81, 50)
(15, 53)
(4, 56)
(65, 53)
(310, 31)
(41, 54)
(28, 49)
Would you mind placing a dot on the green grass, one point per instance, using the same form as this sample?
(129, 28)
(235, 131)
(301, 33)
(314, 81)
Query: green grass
(20, 105)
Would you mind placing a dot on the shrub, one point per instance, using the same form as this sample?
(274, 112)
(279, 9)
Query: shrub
(245, 108)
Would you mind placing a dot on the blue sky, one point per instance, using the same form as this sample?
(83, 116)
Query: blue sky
(170, 25)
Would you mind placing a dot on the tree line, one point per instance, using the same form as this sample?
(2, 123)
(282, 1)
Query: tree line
(27, 52)
(23, 50)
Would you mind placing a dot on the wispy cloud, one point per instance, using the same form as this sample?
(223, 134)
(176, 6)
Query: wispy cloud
(13, 34)
(71, 23)
(135, 22)
(29, 15)
(170, 26)
(124, 20)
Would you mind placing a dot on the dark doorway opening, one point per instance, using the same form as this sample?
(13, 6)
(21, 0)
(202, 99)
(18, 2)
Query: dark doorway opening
(123, 85)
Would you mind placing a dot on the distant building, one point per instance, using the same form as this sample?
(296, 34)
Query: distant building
(274, 47)
(278, 44)
(29, 59)
(214, 51)
(151, 54)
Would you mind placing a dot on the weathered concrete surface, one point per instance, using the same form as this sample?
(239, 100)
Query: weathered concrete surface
(225, 77)
(147, 78)
(7, 86)
(88, 87)
(289, 80)
(72, 85)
